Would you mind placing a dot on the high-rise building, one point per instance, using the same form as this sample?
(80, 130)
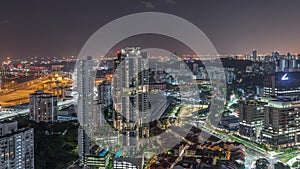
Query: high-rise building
(251, 118)
(105, 135)
(275, 55)
(247, 57)
(282, 84)
(16, 147)
(130, 96)
(281, 124)
(195, 68)
(287, 64)
(8, 127)
(43, 107)
(4, 72)
(105, 101)
(85, 103)
(104, 93)
(254, 54)
(230, 75)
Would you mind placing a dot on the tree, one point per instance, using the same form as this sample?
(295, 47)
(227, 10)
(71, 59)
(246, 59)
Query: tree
(262, 163)
(280, 165)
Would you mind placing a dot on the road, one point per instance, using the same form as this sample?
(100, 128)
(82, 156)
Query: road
(180, 156)
(252, 154)
(19, 93)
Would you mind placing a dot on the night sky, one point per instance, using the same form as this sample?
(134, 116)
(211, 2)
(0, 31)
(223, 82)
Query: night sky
(61, 27)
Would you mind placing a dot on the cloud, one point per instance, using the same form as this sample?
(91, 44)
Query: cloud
(147, 4)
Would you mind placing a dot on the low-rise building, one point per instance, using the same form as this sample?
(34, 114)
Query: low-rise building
(128, 163)
(100, 161)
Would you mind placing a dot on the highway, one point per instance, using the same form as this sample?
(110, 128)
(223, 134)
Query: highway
(10, 113)
(19, 93)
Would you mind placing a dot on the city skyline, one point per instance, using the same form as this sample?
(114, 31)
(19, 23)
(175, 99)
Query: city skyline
(150, 84)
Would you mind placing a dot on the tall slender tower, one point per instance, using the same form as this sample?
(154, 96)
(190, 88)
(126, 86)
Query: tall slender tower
(85, 87)
(130, 97)
(106, 136)
(254, 53)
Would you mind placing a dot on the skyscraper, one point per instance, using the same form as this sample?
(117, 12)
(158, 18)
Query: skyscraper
(105, 135)
(104, 93)
(254, 53)
(85, 102)
(43, 107)
(130, 97)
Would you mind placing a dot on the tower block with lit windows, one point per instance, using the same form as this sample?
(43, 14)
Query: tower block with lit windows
(130, 96)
